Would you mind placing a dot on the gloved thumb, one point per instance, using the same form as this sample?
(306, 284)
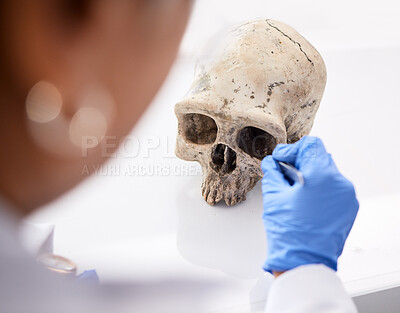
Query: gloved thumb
(273, 175)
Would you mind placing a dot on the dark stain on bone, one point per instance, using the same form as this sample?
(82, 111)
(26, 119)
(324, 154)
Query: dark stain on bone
(236, 90)
(272, 86)
(295, 42)
(289, 119)
(252, 97)
(309, 104)
(275, 84)
(233, 80)
(231, 131)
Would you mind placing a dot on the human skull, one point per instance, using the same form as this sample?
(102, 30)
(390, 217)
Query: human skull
(259, 86)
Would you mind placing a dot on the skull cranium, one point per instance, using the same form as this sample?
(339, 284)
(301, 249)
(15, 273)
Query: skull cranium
(261, 85)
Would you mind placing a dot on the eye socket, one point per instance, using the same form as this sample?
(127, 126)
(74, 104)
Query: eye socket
(256, 142)
(199, 129)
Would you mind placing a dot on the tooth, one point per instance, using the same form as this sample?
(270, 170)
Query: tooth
(206, 193)
(219, 196)
(228, 197)
(238, 198)
(211, 198)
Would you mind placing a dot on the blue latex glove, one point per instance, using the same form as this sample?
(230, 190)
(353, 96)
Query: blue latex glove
(306, 224)
(90, 277)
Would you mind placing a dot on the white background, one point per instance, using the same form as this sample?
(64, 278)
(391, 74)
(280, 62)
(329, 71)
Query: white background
(130, 226)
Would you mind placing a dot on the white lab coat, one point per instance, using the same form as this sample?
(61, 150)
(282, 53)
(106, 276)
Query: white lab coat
(27, 287)
(309, 289)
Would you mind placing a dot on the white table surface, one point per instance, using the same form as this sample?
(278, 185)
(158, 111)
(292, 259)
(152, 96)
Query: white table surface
(142, 216)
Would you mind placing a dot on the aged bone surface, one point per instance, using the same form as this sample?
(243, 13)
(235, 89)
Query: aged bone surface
(259, 86)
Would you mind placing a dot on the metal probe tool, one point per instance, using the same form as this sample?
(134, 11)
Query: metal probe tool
(292, 173)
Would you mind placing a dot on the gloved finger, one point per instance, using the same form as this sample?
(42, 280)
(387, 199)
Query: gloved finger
(325, 162)
(310, 151)
(273, 177)
(301, 153)
(287, 152)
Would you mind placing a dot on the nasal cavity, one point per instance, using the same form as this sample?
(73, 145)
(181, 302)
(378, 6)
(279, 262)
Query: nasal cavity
(223, 159)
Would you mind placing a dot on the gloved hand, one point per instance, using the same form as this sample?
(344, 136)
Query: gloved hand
(306, 224)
